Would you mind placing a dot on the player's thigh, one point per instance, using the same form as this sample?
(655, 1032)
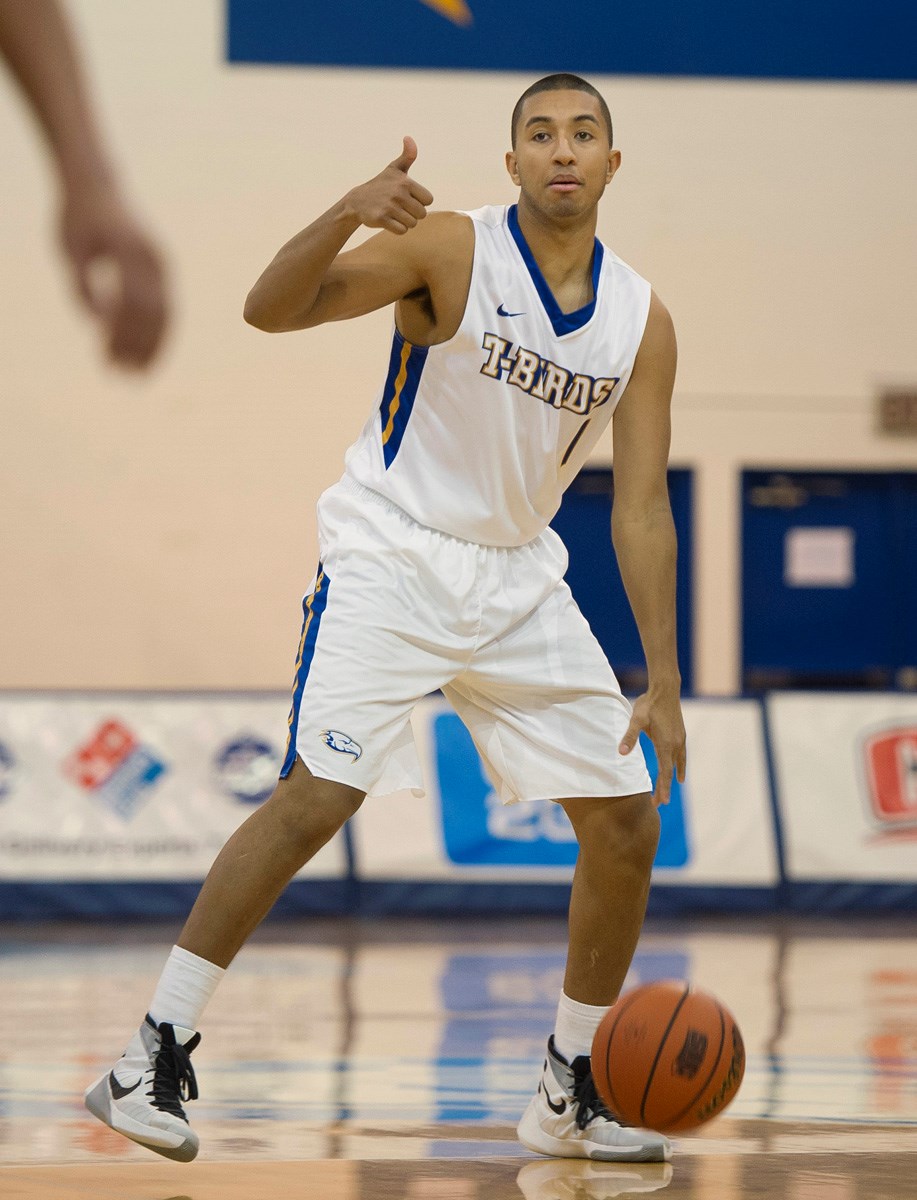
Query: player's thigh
(365, 659)
(546, 710)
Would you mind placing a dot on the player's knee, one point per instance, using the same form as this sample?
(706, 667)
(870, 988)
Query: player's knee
(641, 829)
(619, 828)
(308, 803)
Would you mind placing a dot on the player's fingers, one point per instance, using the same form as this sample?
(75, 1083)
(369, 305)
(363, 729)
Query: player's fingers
(630, 738)
(404, 217)
(681, 763)
(419, 192)
(416, 210)
(394, 226)
(663, 790)
(406, 158)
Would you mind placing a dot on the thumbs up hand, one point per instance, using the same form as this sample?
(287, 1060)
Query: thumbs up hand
(392, 200)
(407, 157)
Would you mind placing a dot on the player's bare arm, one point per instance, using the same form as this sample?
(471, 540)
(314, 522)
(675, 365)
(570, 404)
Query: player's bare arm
(644, 538)
(414, 262)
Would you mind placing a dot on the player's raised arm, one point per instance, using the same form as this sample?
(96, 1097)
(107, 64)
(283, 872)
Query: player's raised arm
(310, 282)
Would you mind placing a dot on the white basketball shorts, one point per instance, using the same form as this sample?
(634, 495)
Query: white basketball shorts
(398, 610)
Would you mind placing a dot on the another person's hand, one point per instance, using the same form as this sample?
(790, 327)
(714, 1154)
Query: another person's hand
(118, 273)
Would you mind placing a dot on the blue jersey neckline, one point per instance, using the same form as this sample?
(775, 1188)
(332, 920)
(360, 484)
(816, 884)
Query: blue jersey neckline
(561, 322)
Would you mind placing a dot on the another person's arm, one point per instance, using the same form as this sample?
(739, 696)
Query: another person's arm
(96, 225)
(644, 539)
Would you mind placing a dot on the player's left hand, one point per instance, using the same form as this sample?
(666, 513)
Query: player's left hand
(118, 273)
(658, 715)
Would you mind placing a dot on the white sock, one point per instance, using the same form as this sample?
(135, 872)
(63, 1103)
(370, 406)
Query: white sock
(576, 1026)
(184, 989)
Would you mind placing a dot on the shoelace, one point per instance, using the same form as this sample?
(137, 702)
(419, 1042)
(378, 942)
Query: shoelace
(173, 1078)
(590, 1104)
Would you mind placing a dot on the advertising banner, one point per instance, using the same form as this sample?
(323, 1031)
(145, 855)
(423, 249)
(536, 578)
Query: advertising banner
(120, 787)
(149, 788)
(717, 829)
(846, 768)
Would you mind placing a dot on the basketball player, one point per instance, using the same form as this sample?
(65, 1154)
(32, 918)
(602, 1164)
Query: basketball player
(517, 335)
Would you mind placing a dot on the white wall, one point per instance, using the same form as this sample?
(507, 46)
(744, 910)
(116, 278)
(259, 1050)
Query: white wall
(159, 533)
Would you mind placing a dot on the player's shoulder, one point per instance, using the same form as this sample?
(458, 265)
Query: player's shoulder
(448, 230)
(613, 262)
(443, 233)
(491, 215)
(659, 332)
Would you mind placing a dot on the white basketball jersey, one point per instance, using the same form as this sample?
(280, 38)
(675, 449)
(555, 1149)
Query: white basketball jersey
(479, 436)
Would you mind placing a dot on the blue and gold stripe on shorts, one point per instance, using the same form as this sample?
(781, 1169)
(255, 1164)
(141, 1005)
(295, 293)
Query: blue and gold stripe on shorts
(405, 368)
(312, 609)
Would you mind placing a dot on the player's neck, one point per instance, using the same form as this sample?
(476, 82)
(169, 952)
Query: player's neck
(563, 250)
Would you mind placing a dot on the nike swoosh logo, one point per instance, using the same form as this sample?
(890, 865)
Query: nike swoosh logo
(501, 312)
(560, 1109)
(118, 1092)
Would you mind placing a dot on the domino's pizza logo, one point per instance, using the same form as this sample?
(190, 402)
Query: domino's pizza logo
(7, 767)
(114, 768)
(890, 761)
(247, 768)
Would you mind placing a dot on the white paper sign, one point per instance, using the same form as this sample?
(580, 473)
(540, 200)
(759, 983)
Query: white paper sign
(819, 556)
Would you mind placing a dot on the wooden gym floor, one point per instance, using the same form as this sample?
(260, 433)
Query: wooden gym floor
(390, 1060)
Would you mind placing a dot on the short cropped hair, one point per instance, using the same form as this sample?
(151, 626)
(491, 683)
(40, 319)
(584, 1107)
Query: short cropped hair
(562, 82)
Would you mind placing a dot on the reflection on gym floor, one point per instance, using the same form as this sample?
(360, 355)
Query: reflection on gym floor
(398, 1056)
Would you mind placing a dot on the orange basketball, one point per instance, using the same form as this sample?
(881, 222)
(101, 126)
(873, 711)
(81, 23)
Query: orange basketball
(668, 1057)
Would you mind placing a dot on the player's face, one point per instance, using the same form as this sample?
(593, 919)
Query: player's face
(562, 160)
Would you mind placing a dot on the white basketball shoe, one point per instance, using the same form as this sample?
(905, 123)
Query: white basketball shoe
(142, 1095)
(567, 1119)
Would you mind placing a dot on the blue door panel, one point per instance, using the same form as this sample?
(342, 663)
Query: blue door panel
(904, 578)
(850, 633)
(584, 524)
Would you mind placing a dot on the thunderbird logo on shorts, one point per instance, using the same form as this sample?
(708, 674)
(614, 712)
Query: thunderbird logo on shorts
(342, 742)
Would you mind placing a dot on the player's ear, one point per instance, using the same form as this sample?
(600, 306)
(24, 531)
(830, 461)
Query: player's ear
(511, 167)
(614, 161)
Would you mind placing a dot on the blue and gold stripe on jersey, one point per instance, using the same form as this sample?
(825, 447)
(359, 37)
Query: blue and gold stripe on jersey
(405, 368)
(313, 606)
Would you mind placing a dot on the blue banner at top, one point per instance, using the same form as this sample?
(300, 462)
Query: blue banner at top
(773, 39)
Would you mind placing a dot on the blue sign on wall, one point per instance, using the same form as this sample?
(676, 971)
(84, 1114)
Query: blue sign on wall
(817, 39)
(478, 830)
